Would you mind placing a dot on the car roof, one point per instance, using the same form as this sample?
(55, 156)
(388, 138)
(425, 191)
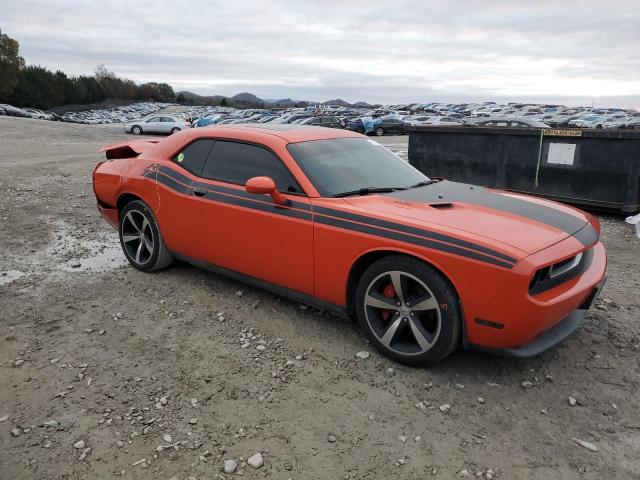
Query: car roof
(263, 134)
(292, 133)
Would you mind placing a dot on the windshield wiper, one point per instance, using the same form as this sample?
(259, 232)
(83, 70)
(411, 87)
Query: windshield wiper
(424, 183)
(368, 190)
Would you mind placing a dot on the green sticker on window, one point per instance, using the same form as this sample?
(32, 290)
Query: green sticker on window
(181, 157)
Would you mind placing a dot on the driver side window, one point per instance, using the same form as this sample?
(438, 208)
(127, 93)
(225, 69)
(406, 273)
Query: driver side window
(235, 162)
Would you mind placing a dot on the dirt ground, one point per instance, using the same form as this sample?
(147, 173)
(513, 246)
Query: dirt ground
(110, 372)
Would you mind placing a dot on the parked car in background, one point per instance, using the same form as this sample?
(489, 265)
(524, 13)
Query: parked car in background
(436, 121)
(12, 111)
(208, 120)
(355, 125)
(586, 121)
(323, 121)
(292, 117)
(414, 120)
(37, 113)
(388, 126)
(166, 124)
(504, 122)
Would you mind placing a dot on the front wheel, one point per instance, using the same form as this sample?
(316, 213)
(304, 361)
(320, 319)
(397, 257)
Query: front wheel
(379, 131)
(140, 238)
(408, 310)
(174, 130)
(136, 130)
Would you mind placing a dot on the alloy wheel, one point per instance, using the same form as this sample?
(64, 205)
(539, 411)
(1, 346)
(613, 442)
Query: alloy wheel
(402, 312)
(137, 237)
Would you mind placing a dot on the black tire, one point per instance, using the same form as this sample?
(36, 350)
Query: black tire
(379, 131)
(438, 324)
(174, 130)
(141, 239)
(136, 130)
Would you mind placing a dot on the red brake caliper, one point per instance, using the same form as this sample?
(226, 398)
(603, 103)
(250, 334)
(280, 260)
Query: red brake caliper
(388, 292)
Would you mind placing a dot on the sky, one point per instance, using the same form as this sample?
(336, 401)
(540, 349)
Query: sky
(571, 52)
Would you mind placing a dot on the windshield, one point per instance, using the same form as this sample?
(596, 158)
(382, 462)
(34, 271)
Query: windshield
(341, 165)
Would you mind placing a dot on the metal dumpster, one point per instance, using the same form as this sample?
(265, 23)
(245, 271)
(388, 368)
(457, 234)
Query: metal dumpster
(595, 168)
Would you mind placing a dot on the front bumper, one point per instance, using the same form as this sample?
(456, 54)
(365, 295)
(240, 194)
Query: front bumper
(510, 318)
(549, 338)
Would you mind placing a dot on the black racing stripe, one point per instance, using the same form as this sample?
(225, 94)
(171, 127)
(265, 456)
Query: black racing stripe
(413, 230)
(347, 224)
(249, 202)
(247, 195)
(175, 174)
(445, 191)
(423, 242)
(168, 182)
(172, 179)
(218, 188)
(587, 236)
(264, 207)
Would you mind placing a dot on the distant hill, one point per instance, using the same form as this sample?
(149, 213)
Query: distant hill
(339, 102)
(246, 97)
(249, 100)
(195, 99)
(365, 105)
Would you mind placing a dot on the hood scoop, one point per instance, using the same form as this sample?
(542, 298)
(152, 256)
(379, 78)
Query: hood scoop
(442, 205)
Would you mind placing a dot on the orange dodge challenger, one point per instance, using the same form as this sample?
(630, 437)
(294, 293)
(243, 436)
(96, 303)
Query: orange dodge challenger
(335, 220)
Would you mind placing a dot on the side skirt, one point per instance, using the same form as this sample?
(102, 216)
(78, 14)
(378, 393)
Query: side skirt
(270, 287)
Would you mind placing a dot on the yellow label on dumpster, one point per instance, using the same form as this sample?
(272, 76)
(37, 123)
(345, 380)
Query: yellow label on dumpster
(562, 133)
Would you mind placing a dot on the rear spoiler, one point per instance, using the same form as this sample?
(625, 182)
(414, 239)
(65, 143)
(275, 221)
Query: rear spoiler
(127, 149)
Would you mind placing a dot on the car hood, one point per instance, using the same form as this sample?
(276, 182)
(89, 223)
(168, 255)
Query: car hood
(526, 223)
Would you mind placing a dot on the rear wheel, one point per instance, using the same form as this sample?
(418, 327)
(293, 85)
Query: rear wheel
(379, 131)
(141, 239)
(136, 130)
(408, 310)
(174, 130)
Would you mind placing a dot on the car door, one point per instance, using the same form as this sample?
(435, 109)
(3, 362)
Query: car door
(167, 124)
(249, 233)
(153, 125)
(330, 122)
(393, 125)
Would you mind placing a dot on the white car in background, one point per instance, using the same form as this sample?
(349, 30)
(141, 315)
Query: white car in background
(444, 120)
(157, 123)
(37, 113)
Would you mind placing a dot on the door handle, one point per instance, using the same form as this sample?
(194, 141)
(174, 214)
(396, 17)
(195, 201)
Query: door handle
(200, 192)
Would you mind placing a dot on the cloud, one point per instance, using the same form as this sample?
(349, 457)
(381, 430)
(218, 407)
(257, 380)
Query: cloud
(372, 50)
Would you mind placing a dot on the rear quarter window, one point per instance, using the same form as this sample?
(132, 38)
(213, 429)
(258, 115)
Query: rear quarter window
(193, 157)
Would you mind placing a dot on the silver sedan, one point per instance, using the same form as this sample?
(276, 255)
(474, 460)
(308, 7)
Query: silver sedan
(166, 124)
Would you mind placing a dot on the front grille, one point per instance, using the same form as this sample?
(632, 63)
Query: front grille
(556, 274)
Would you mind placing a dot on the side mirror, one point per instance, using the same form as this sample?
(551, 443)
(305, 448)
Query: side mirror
(264, 186)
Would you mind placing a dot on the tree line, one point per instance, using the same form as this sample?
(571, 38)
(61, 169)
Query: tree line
(37, 87)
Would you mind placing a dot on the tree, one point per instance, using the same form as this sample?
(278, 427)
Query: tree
(10, 64)
(223, 102)
(180, 98)
(39, 87)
